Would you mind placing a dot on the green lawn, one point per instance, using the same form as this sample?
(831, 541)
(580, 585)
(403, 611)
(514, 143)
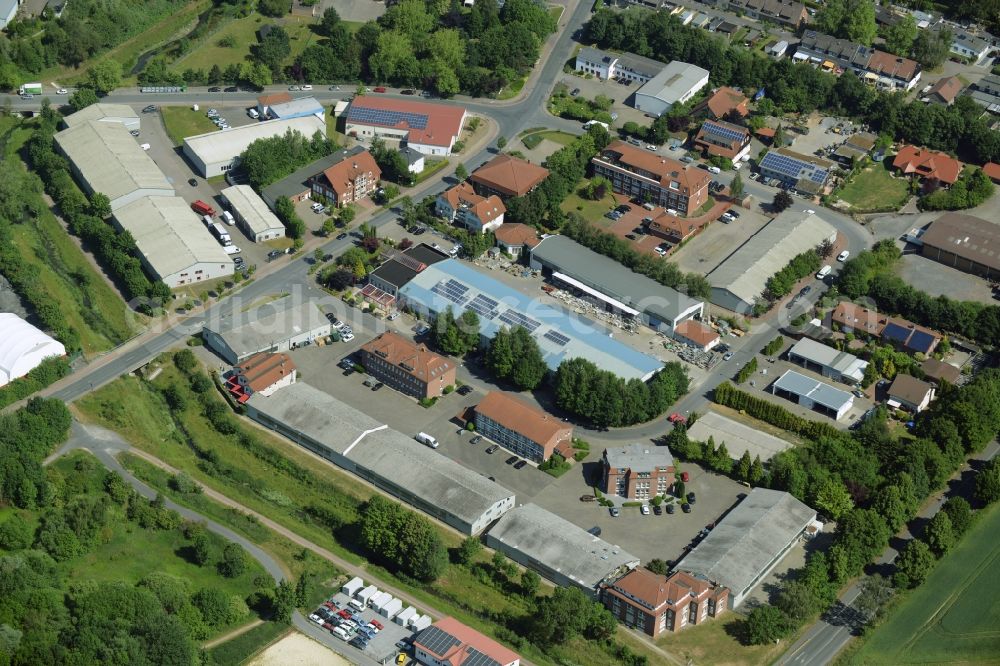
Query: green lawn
(874, 188)
(182, 121)
(239, 650)
(953, 617)
(593, 211)
(89, 304)
(716, 642)
(431, 167)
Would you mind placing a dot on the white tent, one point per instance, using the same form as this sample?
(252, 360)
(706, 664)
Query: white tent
(380, 600)
(367, 593)
(23, 347)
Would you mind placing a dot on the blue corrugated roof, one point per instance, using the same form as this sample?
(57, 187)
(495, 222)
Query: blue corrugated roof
(560, 335)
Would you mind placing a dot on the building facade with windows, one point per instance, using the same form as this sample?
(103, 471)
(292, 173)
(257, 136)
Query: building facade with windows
(351, 178)
(407, 367)
(644, 175)
(656, 604)
(637, 471)
(718, 138)
(522, 429)
(476, 213)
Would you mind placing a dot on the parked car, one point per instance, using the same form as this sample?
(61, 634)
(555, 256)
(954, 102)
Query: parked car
(511, 460)
(347, 337)
(691, 498)
(727, 356)
(587, 498)
(657, 509)
(686, 508)
(687, 159)
(671, 508)
(476, 439)
(644, 509)
(843, 255)
(341, 236)
(192, 182)
(149, 109)
(615, 512)
(493, 449)
(408, 91)
(464, 389)
(574, 92)
(379, 89)
(520, 463)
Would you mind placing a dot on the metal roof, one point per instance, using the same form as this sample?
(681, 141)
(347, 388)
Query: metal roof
(254, 211)
(639, 457)
(819, 392)
(102, 112)
(260, 328)
(453, 283)
(744, 543)
(675, 81)
(846, 364)
(613, 279)
(23, 347)
(296, 183)
(745, 272)
(559, 546)
(301, 106)
(224, 145)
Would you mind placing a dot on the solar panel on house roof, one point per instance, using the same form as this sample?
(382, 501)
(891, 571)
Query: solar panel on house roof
(453, 290)
(476, 658)
(437, 641)
(556, 337)
(921, 341)
(515, 318)
(895, 332)
(723, 131)
(792, 167)
(484, 306)
(386, 117)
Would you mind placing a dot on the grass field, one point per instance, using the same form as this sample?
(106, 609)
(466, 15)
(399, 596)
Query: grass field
(953, 617)
(182, 121)
(716, 642)
(874, 188)
(556, 136)
(238, 650)
(89, 304)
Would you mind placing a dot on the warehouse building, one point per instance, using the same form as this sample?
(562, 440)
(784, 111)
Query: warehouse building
(965, 242)
(252, 214)
(431, 129)
(740, 280)
(23, 347)
(522, 428)
(106, 158)
(296, 108)
(608, 284)
(401, 267)
(674, 84)
(813, 394)
(827, 361)
(749, 542)
(560, 335)
(120, 114)
(175, 246)
(557, 549)
(215, 153)
(390, 460)
(274, 327)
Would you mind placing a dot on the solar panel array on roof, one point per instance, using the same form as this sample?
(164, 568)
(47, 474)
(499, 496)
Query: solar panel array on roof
(484, 306)
(895, 332)
(453, 290)
(723, 131)
(921, 341)
(515, 318)
(476, 658)
(437, 641)
(556, 337)
(386, 117)
(792, 167)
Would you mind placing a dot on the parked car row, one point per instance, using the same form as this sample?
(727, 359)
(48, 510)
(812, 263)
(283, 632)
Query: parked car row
(346, 623)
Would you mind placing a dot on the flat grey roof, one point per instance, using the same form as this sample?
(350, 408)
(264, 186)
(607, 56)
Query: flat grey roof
(737, 436)
(298, 106)
(639, 457)
(674, 81)
(252, 209)
(841, 361)
(260, 327)
(559, 545)
(746, 271)
(169, 235)
(296, 182)
(385, 452)
(611, 278)
(101, 111)
(744, 543)
(224, 145)
(817, 391)
(110, 159)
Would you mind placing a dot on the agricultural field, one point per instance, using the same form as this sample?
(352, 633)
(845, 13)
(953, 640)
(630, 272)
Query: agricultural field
(952, 617)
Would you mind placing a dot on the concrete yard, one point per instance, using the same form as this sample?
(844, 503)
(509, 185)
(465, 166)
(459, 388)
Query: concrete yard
(296, 649)
(939, 280)
(383, 645)
(708, 249)
(737, 436)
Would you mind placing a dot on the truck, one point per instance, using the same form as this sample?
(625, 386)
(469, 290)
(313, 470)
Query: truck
(30, 89)
(221, 234)
(202, 208)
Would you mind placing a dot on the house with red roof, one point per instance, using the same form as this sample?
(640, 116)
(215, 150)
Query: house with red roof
(448, 642)
(431, 129)
(927, 165)
(992, 170)
(656, 604)
(722, 102)
(475, 212)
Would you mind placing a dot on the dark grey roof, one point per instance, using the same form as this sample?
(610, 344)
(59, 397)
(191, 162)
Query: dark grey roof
(400, 271)
(819, 392)
(410, 155)
(611, 278)
(297, 182)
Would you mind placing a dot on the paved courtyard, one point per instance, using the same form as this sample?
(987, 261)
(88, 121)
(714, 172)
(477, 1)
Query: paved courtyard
(737, 436)
(718, 240)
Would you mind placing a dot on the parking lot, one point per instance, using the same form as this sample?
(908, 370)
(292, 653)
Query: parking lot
(620, 93)
(383, 646)
(717, 241)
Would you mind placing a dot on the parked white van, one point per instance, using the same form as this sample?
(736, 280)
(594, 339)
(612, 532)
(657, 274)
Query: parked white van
(426, 439)
(823, 272)
(341, 633)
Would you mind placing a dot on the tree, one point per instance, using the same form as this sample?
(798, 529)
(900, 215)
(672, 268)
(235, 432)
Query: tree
(767, 624)
(284, 209)
(234, 561)
(468, 549)
(568, 613)
(461, 173)
(273, 7)
(736, 187)
(913, 564)
(100, 205)
(960, 513)
(931, 48)
(501, 142)
(105, 76)
(82, 98)
(782, 200)
(658, 566)
(756, 471)
(833, 498)
(530, 582)
(875, 591)
(939, 534)
(848, 19)
(15, 533)
(900, 36)
(201, 549)
(402, 538)
(284, 602)
(797, 601)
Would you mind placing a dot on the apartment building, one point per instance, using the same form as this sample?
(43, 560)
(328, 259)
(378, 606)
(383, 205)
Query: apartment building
(525, 430)
(406, 366)
(637, 471)
(658, 180)
(878, 68)
(656, 604)
(353, 177)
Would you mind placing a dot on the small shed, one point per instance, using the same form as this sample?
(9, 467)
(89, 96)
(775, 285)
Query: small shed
(366, 594)
(390, 610)
(420, 622)
(352, 586)
(379, 601)
(405, 615)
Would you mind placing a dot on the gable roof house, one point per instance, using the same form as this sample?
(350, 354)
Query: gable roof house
(724, 101)
(507, 176)
(721, 139)
(927, 165)
(477, 213)
(351, 178)
(945, 90)
(910, 393)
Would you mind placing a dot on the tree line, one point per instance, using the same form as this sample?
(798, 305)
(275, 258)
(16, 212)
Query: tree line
(268, 160)
(781, 283)
(405, 540)
(972, 188)
(799, 88)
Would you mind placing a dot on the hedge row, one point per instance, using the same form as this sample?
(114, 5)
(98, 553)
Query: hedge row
(729, 396)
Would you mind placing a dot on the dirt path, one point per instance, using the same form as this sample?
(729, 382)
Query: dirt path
(218, 640)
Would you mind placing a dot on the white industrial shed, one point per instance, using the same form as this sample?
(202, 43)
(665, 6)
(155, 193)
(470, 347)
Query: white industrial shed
(379, 601)
(391, 609)
(252, 214)
(277, 326)
(405, 616)
(215, 153)
(827, 361)
(175, 246)
(122, 114)
(107, 159)
(675, 84)
(352, 586)
(386, 458)
(740, 280)
(367, 594)
(23, 347)
(813, 394)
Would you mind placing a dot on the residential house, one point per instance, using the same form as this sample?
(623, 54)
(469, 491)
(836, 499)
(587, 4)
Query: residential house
(910, 337)
(637, 471)
(673, 228)
(723, 102)
(521, 428)
(927, 165)
(717, 138)
(970, 45)
(986, 93)
(352, 178)
(910, 393)
(507, 176)
(945, 90)
(858, 146)
(851, 318)
(940, 371)
(783, 12)
(476, 213)
(878, 68)
(414, 159)
(992, 171)
(807, 174)
(655, 604)
(407, 367)
(660, 180)
(514, 238)
(262, 373)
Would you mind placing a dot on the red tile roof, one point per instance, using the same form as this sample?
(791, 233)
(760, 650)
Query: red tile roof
(992, 169)
(342, 175)
(443, 123)
(928, 164)
(468, 638)
(520, 417)
(653, 590)
(276, 98)
(858, 318)
(947, 88)
(509, 175)
(265, 369)
(486, 209)
(515, 233)
(727, 99)
(696, 332)
(417, 360)
(665, 169)
(887, 64)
